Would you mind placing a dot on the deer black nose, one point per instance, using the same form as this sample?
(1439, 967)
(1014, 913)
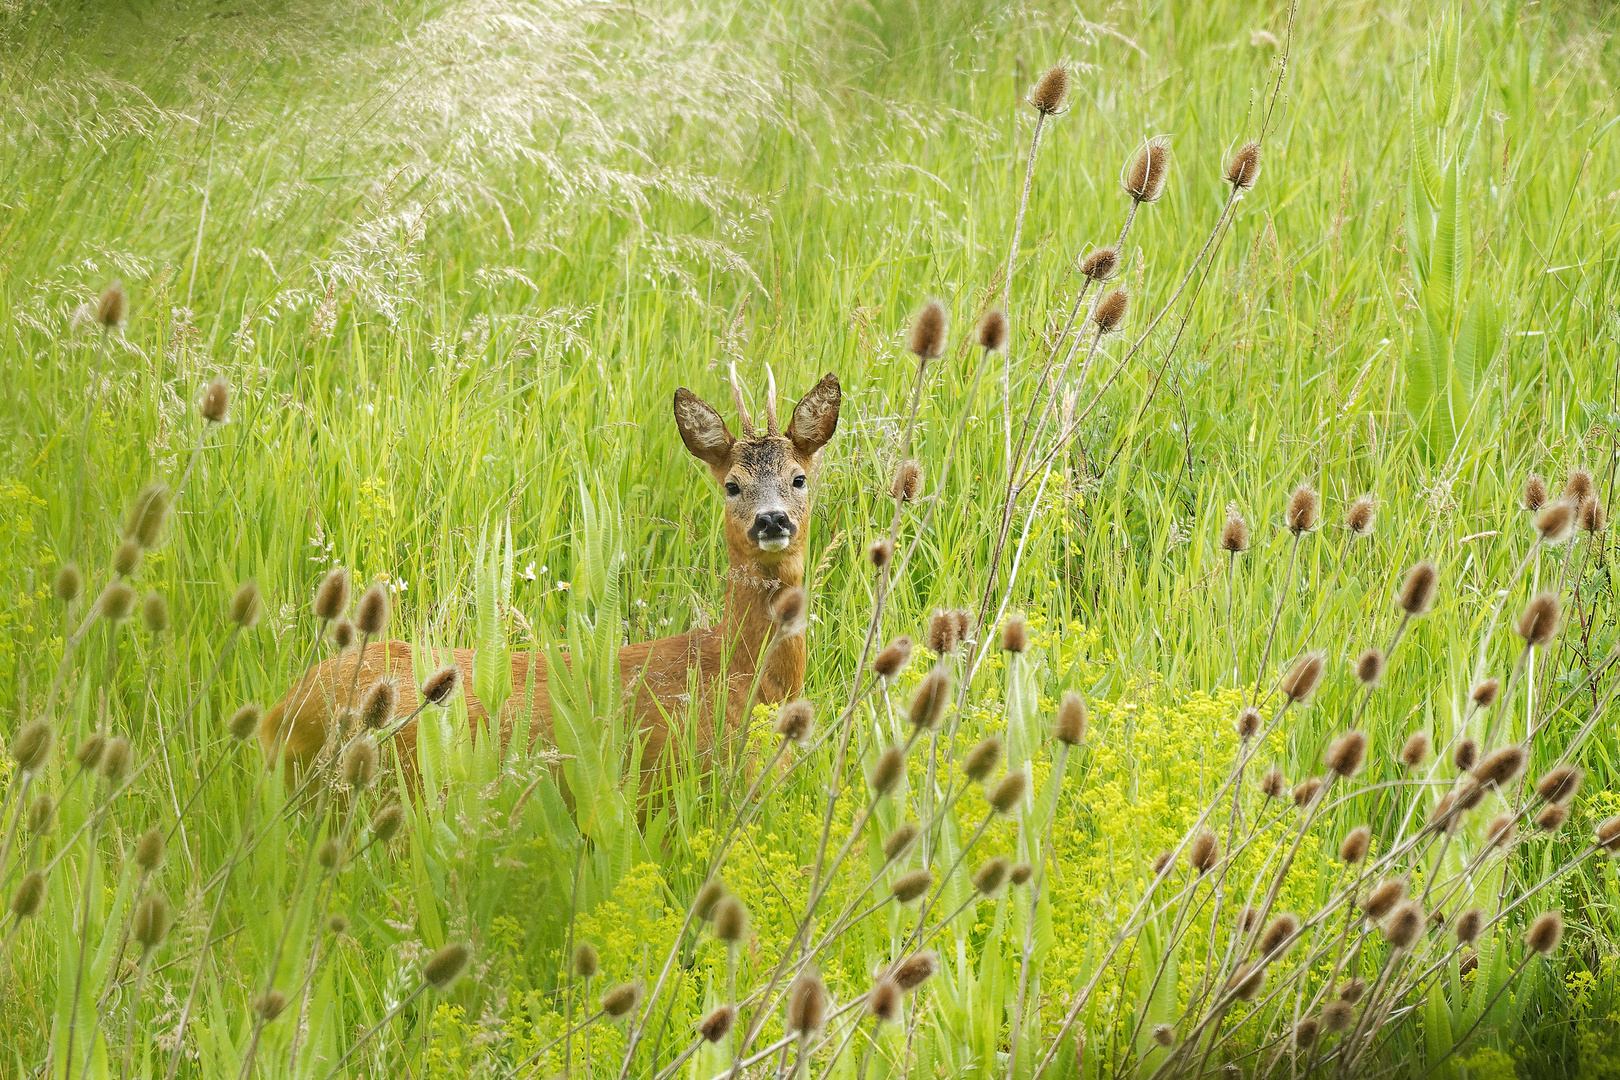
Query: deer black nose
(772, 525)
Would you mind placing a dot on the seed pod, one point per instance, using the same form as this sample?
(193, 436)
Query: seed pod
(1235, 535)
(1468, 926)
(1272, 783)
(1560, 784)
(1346, 753)
(332, 595)
(1535, 493)
(1302, 679)
(149, 849)
(1382, 900)
(927, 338)
(1471, 794)
(31, 750)
(338, 924)
(126, 557)
(1203, 853)
(1164, 1035)
(880, 553)
(908, 480)
(155, 613)
(371, 613)
(360, 762)
(1354, 848)
(807, 1005)
(343, 634)
(1306, 790)
(1553, 522)
(1501, 767)
(441, 685)
(270, 1005)
(1248, 919)
(1499, 831)
(90, 751)
(147, 516)
(929, 701)
(1279, 935)
(1484, 693)
(1465, 754)
(914, 970)
(116, 602)
(993, 330)
(1353, 990)
(1578, 486)
(891, 766)
(1100, 264)
(215, 405)
(1304, 508)
(1020, 873)
(1592, 518)
(151, 922)
(30, 895)
(982, 760)
(1370, 667)
(1359, 519)
(717, 1025)
(1070, 725)
(1247, 982)
(1417, 588)
(788, 608)
(386, 823)
(1244, 168)
(68, 584)
(244, 722)
(115, 760)
(1545, 933)
(1305, 1032)
(893, 659)
(1008, 794)
(41, 815)
(330, 855)
(112, 305)
(1538, 622)
(246, 606)
(942, 636)
(1015, 635)
(444, 967)
(708, 898)
(1048, 94)
(991, 876)
(899, 842)
(883, 1001)
(1338, 1016)
(796, 721)
(1552, 818)
(730, 920)
(1415, 750)
(1144, 180)
(909, 886)
(1608, 834)
(1248, 724)
(1110, 311)
(1404, 925)
(1447, 815)
(378, 709)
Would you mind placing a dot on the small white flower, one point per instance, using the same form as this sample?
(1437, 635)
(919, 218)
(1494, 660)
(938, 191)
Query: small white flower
(528, 572)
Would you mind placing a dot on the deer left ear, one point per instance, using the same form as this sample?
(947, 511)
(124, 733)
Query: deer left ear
(815, 417)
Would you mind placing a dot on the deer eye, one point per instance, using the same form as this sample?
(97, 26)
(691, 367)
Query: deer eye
(798, 481)
(732, 488)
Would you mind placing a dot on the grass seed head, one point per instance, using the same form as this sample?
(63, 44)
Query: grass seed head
(1015, 635)
(1468, 925)
(343, 634)
(1070, 726)
(899, 842)
(246, 606)
(1501, 767)
(1535, 493)
(910, 886)
(708, 898)
(1559, 785)
(338, 924)
(993, 330)
(1099, 265)
(1272, 784)
(1538, 622)
(788, 609)
(387, 822)
(884, 1001)
(1415, 750)
(68, 584)
(126, 558)
(1383, 898)
(215, 406)
(893, 658)
(914, 970)
(447, 965)
(116, 602)
(927, 338)
(1203, 853)
(1144, 179)
(1304, 510)
(1244, 168)
(1469, 962)
(331, 853)
(796, 721)
(1110, 312)
(332, 595)
(1303, 677)
(1553, 522)
(1359, 518)
(929, 701)
(270, 1005)
(41, 815)
(1354, 848)
(149, 849)
(1048, 94)
(807, 1005)
(112, 306)
(151, 922)
(1370, 667)
(890, 768)
(1465, 755)
(31, 749)
(1346, 753)
(116, 760)
(1404, 925)
(718, 1024)
(1417, 589)
(991, 876)
(441, 685)
(1552, 818)
(982, 760)
(360, 762)
(1545, 933)
(1235, 534)
(371, 613)
(730, 920)
(155, 613)
(30, 895)
(147, 516)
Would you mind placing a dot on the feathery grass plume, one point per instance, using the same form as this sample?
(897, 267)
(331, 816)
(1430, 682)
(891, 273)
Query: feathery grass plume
(1161, 861)
(1015, 635)
(880, 553)
(1484, 692)
(892, 659)
(982, 760)
(332, 595)
(155, 613)
(1538, 622)
(1346, 753)
(910, 886)
(1110, 310)
(1578, 486)
(378, 708)
(1415, 750)
(993, 330)
(1499, 831)
(41, 815)
(899, 842)
(883, 1002)
(1501, 767)
(149, 849)
(244, 722)
(30, 895)
(112, 306)
(330, 855)
(730, 920)
(1404, 925)
(1247, 981)
(441, 684)
(1551, 819)
(1338, 1016)
(1465, 754)
(147, 516)
(1468, 925)
(246, 606)
(1304, 510)
(1545, 933)
(1279, 934)
(126, 557)
(1099, 265)
(1021, 873)
(1553, 522)
(929, 701)
(927, 337)
(621, 1000)
(343, 634)
(1417, 590)
(1383, 898)
(215, 405)
(1070, 726)
(908, 481)
(586, 961)
(914, 970)
(68, 584)
(1144, 178)
(116, 760)
(31, 749)
(1353, 990)
(1354, 848)
(807, 1005)
(387, 822)
(1164, 1035)
(1559, 785)
(991, 876)
(708, 898)
(1248, 723)
(1370, 667)
(1047, 95)
(717, 1025)
(444, 967)
(1244, 168)
(1009, 794)
(88, 755)
(116, 602)
(788, 608)
(1535, 493)
(371, 613)
(152, 920)
(1302, 678)
(1203, 853)
(270, 1005)
(1359, 518)
(1592, 519)
(360, 763)
(1305, 1032)
(1235, 534)
(886, 774)
(796, 721)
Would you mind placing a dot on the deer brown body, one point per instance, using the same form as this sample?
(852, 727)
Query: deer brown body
(746, 657)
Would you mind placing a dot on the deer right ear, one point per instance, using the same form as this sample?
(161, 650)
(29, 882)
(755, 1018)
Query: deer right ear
(702, 430)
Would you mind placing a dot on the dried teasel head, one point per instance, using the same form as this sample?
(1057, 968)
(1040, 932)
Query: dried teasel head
(887, 773)
(1110, 311)
(1535, 493)
(586, 961)
(991, 876)
(244, 722)
(1499, 831)
(1538, 622)
(930, 699)
(1359, 518)
(1099, 265)
(1164, 1035)
(1483, 694)
(116, 760)
(796, 721)
(1404, 925)
(1009, 794)
(30, 895)
(1015, 635)
(155, 612)
(444, 967)
(151, 922)
(788, 609)
(1468, 925)
(1303, 677)
(270, 1004)
(1244, 167)
(1247, 981)
(1554, 521)
(880, 553)
(622, 1000)
(914, 970)
(126, 558)
(1370, 667)
(1353, 990)
(1020, 873)
(1145, 176)
(116, 602)
(911, 885)
(148, 515)
(246, 606)
(1070, 725)
(1383, 898)
(441, 685)
(215, 404)
(1162, 860)
(149, 849)
(899, 842)
(88, 755)
(68, 583)
(730, 920)
(332, 595)
(908, 481)
(371, 613)
(1415, 750)
(343, 634)
(1203, 853)
(1273, 784)
(1354, 848)
(883, 1002)
(360, 761)
(982, 760)
(993, 330)
(1417, 588)
(807, 1005)
(1545, 933)
(1501, 767)
(1306, 790)
(718, 1024)
(31, 749)
(1607, 834)
(1235, 534)
(1306, 1031)
(1279, 935)
(1047, 96)
(387, 822)
(1304, 510)
(1578, 486)
(1248, 919)
(926, 339)
(1592, 517)
(1338, 1016)
(892, 659)
(943, 633)
(41, 815)
(1447, 815)
(1559, 784)
(1552, 818)
(1465, 755)
(1248, 723)
(112, 306)
(377, 710)
(1346, 753)
(708, 897)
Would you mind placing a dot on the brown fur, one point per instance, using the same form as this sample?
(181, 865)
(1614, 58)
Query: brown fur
(657, 675)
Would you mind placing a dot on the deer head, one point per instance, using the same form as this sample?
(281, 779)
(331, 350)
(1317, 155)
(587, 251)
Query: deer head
(764, 475)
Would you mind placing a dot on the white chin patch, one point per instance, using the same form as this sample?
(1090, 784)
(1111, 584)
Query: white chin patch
(776, 544)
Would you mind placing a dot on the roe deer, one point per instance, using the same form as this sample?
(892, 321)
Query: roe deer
(767, 505)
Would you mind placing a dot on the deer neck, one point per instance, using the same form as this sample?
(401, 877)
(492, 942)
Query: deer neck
(751, 589)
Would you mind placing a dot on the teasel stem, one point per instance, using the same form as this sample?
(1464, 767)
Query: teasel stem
(1006, 285)
(371, 1031)
(134, 1010)
(1060, 767)
(324, 889)
(1276, 614)
(568, 956)
(568, 1033)
(90, 864)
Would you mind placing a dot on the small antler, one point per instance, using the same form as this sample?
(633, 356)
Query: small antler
(770, 401)
(746, 421)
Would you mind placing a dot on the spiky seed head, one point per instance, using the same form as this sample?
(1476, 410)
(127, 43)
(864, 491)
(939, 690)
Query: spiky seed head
(112, 306)
(116, 602)
(910, 886)
(147, 516)
(927, 338)
(377, 710)
(330, 854)
(1538, 622)
(788, 609)
(387, 822)
(1404, 925)
(880, 553)
(1553, 522)
(1244, 168)
(1484, 692)
(155, 613)
(1021, 873)
(1338, 1016)
(89, 753)
(1370, 667)
(886, 774)
(807, 1005)
(1608, 834)
(1110, 311)
(116, 760)
(717, 1025)
(1306, 790)
(1305, 1032)
(1302, 678)
(1164, 1035)
(1015, 635)
(1417, 589)
(1070, 726)
(929, 701)
(1247, 981)
(1353, 990)
(1465, 755)
(1203, 853)
(1009, 794)
(1235, 534)
(708, 898)
(883, 1002)
(730, 920)
(1535, 493)
(1048, 94)
(1248, 723)
(1501, 767)
(942, 636)
(332, 595)
(908, 481)
(892, 660)
(1359, 518)
(244, 722)
(215, 405)
(991, 876)
(338, 924)
(1304, 510)
(1578, 486)
(360, 763)
(1447, 815)
(1346, 753)
(1279, 935)
(914, 970)
(343, 634)
(1545, 933)
(152, 921)
(1099, 265)
(796, 721)
(1552, 818)
(126, 558)
(270, 1005)
(899, 842)
(69, 583)
(1163, 860)
(1354, 848)
(1272, 784)
(1144, 179)
(1471, 794)
(993, 330)
(1559, 784)
(371, 613)
(982, 760)
(1499, 831)
(447, 965)
(1415, 750)
(1248, 919)
(441, 685)
(246, 606)
(32, 747)
(1592, 517)
(1468, 925)
(149, 849)
(30, 895)
(1383, 898)
(41, 815)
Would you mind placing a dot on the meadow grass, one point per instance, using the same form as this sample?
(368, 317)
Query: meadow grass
(454, 259)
